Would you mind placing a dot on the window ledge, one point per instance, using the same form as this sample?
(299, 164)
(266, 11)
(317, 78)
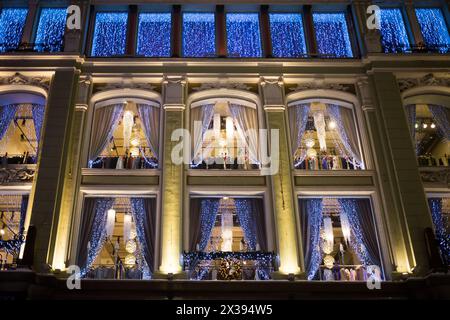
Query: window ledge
(120, 172)
(218, 172)
(339, 173)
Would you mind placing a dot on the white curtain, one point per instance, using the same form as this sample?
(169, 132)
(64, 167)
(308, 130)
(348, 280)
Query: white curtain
(150, 122)
(106, 120)
(203, 114)
(298, 118)
(246, 120)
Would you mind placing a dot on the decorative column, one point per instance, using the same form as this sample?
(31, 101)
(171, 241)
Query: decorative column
(53, 157)
(281, 182)
(172, 177)
(72, 176)
(29, 22)
(402, 191)
(414, 23)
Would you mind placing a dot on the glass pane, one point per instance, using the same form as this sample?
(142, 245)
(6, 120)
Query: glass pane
(110, 34)
(154, 34)
(243, 35)
(332, 37)
(394, 37)
(12, 22)
(199, 35)
(288, 37)
(434, 29)
(50, 32)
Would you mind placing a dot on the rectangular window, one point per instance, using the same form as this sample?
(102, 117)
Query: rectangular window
(434, 29)
(110, 34)
(243, 35)
(288, 37)
(50, 32)
(394, 37)
(332, 36)
(199, 35)
(12, 22)
(154, 34)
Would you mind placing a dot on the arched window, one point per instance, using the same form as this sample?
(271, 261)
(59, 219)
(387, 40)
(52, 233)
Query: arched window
(324, 136)
(125, 135)
(224, 135)
(21, 120)
(430, 130)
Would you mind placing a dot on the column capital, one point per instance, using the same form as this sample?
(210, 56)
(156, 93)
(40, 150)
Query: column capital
(274, 108)
(174, 107)
(84, 92)
(174, 87)
(365, 94)
(271, 80)
(272, 91)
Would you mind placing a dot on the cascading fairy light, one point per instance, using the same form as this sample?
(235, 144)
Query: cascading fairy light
(441, 225)
(50, 32)
(332, 37)
(12, 22)
(243, 35)
(199, 35)
(394, 37)
(434, 29)
(110, 34)
(154, 34)
(287, 34)
(246, 221)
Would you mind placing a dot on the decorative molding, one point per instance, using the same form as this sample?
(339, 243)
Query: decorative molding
(435, 175)
(127, 85)
(272, 81)
(10, 175)
(20, 79)
(427, 80)
(316, 85)
(220, 85)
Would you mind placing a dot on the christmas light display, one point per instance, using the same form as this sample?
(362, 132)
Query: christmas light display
(199, 35)
(441, 225)
(12, 22)
(332, 37)
(243, 35)
(154, 34)
(287, 34)
(434, 29)
(394, 37)
(50, 31)
(110, 34)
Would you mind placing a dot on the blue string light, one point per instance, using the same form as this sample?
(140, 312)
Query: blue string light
(243, 35)
(110, 34)
(315, 220)
(246, 221)
(154, 34)
(441, 225)
(50, 31)
(394, 37)
(332, 37)
(287, 34)
(199, 35)
(434, 29)
(12, 22)
(208, 213)
(138, 211)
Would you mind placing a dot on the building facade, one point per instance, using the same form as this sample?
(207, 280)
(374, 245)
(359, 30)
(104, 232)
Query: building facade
(134, 145)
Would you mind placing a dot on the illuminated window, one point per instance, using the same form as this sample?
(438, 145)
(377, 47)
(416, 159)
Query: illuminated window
(110, 34)
(288, 37)
(243, 35)
(332, 37)
(434, 29)
(12, 22)
(154, 34)
(199, 35)
(394, 37)
(50, 32)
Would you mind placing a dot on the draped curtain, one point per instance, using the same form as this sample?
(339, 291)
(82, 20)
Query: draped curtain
(311, 219)
(149, 116)
(247, 126)
(144, 214)
(298, 118)
(106, 120)
(7, 113)
(259, 220)
(441, 115)
(23, 213)
(203, 114)
(440, 223)
(363, 237)
(194, 223)
(93, 230)
(208, 212)
(38, 111)
(345, 127)
(246, 218)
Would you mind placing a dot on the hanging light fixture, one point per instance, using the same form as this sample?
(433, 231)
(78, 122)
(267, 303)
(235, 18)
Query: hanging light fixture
(332, 125)
(110, 221)
(128, 121)
(328, 230)
(345, 226)
(424, 125)
(433, 126)
(126, 227)
(416, 126)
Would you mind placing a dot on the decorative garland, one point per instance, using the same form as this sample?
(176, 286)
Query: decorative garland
(230, 269)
